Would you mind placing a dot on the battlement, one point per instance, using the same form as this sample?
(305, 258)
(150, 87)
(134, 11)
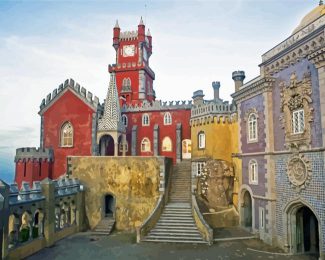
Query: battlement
(31, 153)
(212, 108)
(80, 91)
(157, 106)
(66, 186)
(25, 194)
(128, 35)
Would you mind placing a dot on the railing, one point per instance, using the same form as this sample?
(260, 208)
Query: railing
(201, 224)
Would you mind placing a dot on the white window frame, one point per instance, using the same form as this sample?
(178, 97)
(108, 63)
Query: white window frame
(298, 121)
(167, 118)
(63, 138)
(201, 140)
(253, 172)
(143, 147)
(197, 168)
(145, 120)
(125, 120)
(252, 128)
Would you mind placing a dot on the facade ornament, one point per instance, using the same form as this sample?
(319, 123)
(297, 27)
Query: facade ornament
(252, 110)
(299, 172)
(296, 96)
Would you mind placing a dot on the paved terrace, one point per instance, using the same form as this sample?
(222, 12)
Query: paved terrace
(123, 246)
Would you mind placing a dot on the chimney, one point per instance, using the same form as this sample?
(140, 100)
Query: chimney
(216, 87)
(198, 97)
(238, 76)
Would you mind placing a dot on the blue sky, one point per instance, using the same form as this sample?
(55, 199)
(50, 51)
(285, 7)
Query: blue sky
(195, 42)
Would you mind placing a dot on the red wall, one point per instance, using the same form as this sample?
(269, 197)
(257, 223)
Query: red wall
(70, 108)
(157, 117)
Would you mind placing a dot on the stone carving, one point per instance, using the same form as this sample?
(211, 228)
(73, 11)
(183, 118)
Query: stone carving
(299, 172)
(250, 111)
(295, 96)
(216, 184)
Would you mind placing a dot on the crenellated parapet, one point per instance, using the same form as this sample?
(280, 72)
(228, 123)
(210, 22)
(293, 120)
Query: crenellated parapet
(33, 153)
(129, 35)
(25, 195)
(157, 106)
(212, 108)
(66, 186)
(85, 95)
(214, 118)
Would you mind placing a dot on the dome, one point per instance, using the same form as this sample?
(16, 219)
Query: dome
(310, 17)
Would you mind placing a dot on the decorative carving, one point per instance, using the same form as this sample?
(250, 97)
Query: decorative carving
(294, 97)
(216, 184)
(299, 172)
(252, 110)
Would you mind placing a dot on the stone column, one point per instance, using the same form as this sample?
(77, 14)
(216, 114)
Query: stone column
(134, 140)
(178, 142)
(4, 219)
(80, 211)
(48, 190)
(115, 148)
(156, 140)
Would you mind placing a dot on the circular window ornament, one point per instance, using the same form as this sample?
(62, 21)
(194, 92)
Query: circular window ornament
(299, 172)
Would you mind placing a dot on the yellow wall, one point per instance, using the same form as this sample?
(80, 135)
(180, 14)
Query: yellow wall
(134, 181)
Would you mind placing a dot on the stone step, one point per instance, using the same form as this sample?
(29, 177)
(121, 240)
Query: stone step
(178, 225)
(174, 238)
(174, 220)
(172, 241)
(173, 229)
(174, 234)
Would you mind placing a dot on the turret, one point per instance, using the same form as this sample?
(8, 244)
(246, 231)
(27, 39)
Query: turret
(116, 36)
(238, 77)
(141, 31)
(149, 38)
(198, 97)
(216, 87)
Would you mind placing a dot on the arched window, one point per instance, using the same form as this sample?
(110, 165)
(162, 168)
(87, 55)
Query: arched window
(126, 82)
(167, 119)
(252, 127)
(253, 172)
(145, 145)
(167, 144)
(125, 120)
(67, 135)
(145, 119)
(201, 140)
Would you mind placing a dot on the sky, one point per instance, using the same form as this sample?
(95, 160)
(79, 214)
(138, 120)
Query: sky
(195, 42)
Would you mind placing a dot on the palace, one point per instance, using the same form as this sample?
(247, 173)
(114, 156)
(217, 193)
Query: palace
(189, 167)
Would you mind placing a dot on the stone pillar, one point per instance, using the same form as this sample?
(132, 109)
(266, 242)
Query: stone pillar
(80, 211)
(134, 140)
(4, 219)
(48, 190)
(156, 140)
(124, 144)
(178, 142)
(115, 148)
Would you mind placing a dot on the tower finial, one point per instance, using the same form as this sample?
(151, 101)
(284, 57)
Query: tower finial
(148, 32)
(321, 2)
(141, 21)
(116, 24)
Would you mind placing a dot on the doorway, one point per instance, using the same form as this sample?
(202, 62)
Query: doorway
(106, 145)
(247, 210)
(109, 206)
(186, 149)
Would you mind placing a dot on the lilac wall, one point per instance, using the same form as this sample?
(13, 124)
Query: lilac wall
(258, 103)
(284, 75)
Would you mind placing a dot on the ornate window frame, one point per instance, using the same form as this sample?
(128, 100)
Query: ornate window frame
(145, 120)
(167, 118)
(251, 125)
(201, 140)
(145, 145)
(66, 135)
(298, 121)
(253, 172)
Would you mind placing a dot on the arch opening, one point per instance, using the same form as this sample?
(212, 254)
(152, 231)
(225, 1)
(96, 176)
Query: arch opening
(106, 145)
(109, 205)
(247, 219)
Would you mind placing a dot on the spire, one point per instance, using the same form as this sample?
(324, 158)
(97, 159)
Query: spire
(116, 24)
(148, 33)
(111, 120)
(321, 2)
(141, 21)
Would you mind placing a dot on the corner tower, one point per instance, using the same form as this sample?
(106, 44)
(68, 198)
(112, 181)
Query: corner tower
(134, 77)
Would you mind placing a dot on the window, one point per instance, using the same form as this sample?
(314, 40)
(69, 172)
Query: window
(298, 121)
(67, 135)
(125, 120)
(145, 145)
(201, 140)
(126, 82)
(126, 146)
(252, 127)
(145, 119)
(253, 177)
(167, 119)
(262, 218)
(197, 168)
(167, 144)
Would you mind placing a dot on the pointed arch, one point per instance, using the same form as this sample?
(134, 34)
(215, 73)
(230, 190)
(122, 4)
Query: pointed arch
(167, 145)
(167, 118)
(66, 135)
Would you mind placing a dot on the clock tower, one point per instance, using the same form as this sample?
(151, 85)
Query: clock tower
(134, 77)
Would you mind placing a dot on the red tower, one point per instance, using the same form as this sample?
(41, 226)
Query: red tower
(134, 77)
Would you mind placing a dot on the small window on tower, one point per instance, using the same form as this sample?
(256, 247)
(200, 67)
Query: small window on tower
(167, 119)
(125, 120)
(145, 120)
(67, 135)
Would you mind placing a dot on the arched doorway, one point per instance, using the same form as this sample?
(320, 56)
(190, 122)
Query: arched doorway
(109, 205)
(303, 230)
(247, 210)
(106, 145)
(186, 148)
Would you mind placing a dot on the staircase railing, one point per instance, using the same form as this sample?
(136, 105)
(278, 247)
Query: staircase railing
(202, 225)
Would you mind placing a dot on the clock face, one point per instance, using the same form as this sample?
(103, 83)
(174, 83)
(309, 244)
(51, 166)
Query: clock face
(128, 50)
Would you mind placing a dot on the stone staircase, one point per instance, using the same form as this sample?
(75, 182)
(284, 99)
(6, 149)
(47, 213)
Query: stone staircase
(176, 223)
(105, 226)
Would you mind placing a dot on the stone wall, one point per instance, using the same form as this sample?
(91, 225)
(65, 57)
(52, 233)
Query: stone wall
(134, 182)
